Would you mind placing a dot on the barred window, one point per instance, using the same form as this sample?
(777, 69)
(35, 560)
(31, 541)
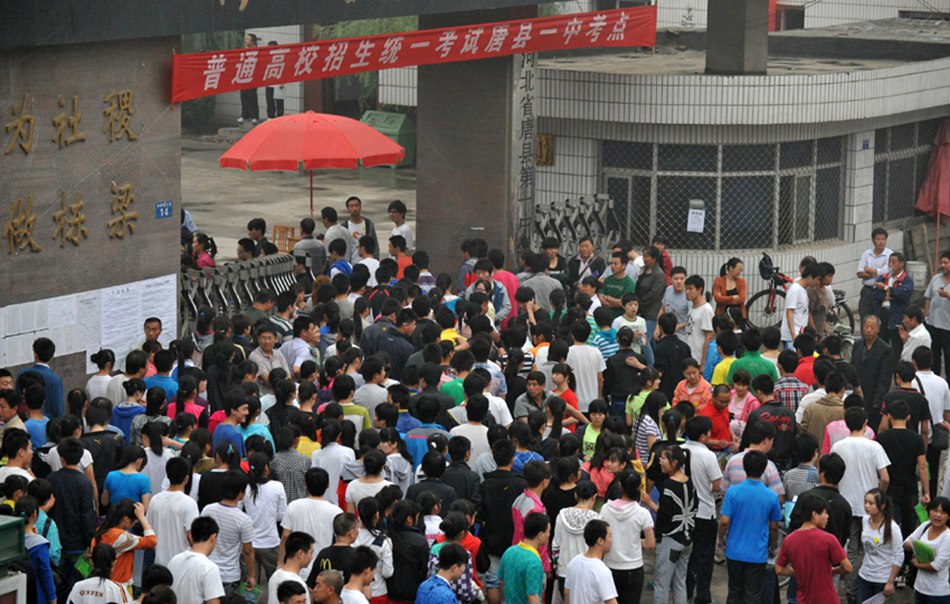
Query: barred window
(901, 158)
(755, 196)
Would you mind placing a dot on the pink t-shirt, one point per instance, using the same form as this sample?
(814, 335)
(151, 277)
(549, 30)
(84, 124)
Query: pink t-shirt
(837, 430)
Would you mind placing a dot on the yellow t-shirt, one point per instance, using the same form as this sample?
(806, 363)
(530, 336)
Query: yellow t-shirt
(721, 371)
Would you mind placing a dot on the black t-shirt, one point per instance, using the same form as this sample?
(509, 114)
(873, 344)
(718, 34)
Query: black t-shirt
(335, 557)
(849, 372)
(902, 446)
(919, 408)
(556, 499)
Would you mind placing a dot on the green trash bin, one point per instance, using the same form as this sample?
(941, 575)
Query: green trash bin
(398, 127)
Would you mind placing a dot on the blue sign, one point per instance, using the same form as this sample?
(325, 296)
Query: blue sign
(163, 209)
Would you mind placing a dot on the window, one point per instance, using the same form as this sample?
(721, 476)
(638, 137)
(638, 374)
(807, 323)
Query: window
(901, 159)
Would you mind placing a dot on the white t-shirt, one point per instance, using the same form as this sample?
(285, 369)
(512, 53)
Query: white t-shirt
(796, 298)
(863, 458)
(932, 583)
(356, 491)
(404, 231)
(332, 458)
(281, 576)
(234, 530)
(314, 517)
(703, 471)
(879, 557)
(155, 468)
(11, 471)
(352, 596)
(266, 511)
(356, 231)
(476, 434)
(55, 464)
(586, 362)
(372, 264)
(98, 385)
(499, 409)
(384, 568)
(936, 392)
(589, 580)
(171, 513)
(196, 578)
(698, 323)
(96, 591)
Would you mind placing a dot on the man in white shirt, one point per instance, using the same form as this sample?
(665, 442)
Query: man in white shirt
(328, 217)
(366, 253)
(358, 225)
(372, 393)
(873, 263)
(476, 408)
(18, 449)
(937, 309)
(588, 365)
(706, 476)
(298, 556)
(303, 347)
(313, 516)
(935, 390)
(196, 577)
(235, 534)
(699, 329)
(589, 581)
(172, 512)
(913, 332)
(865, 468)
(397, 213)
(796, 303)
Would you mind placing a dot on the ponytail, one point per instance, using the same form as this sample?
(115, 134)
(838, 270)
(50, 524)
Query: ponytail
(256, 476)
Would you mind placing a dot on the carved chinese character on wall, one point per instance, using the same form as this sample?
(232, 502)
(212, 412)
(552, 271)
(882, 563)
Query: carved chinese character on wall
(19, 230)
(21, 128)
(120, 204)
(119, 111)
(69, 221)
(70, 123)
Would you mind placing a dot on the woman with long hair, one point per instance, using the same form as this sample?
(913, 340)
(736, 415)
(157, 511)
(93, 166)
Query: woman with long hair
(186, 401)
(609, 459)
(675, 523)
(154, 402)
(646, 430)
(98, 384)
(627, 520)
(133, 406)
(99, 586)
(455, 530)
(153, 436)
(372, 535)
(670, 422)
(128, 481)
(266, 503)
(252, 425)
(283, 412)
(332, 456)
(410, 552)
(649, 381)
(883, 554)
(37, 547)
(203, 250)
(370, 483)
(525, 445)
(729, 291)
(931, 584)
(398, 469)
(226, 458)
(545, 439)
(117, 532)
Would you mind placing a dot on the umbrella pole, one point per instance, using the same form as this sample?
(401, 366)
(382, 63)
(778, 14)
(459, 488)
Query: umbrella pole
(937, 244)
(311, 198)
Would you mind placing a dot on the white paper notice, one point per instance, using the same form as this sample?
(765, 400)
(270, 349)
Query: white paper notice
(88, 310)
(121, 327)
(160, 299)
(62, 312)
(696, 221)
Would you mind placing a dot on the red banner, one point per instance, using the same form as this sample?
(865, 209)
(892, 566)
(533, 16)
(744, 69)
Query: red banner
(201, 74)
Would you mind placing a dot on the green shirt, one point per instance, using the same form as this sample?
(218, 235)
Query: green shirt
(755, 364)
(616, 288)
(590, 441)
(454, 389)
(522, 573)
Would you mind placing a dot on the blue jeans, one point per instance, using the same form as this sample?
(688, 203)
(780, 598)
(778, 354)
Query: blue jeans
(920, 598)
(648, 349)
(866, 589)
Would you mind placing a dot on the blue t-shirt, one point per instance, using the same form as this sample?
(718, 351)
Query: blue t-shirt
(126, 486)
(750, 506)
(227, 432)
(37, 430)
(522, 458)
(165, 382)
(522, 572)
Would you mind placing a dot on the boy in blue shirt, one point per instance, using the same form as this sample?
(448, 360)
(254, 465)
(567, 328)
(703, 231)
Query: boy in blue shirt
(749, 518)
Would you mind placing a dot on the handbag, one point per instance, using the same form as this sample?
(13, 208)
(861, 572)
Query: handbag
(939, 436)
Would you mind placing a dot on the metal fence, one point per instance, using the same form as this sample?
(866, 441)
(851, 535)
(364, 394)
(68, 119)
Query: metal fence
(571, 219)
(230, 288)
(901, 157)
(759, 196)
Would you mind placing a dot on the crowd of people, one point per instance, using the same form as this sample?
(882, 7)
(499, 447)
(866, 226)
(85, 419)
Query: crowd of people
(380, 433)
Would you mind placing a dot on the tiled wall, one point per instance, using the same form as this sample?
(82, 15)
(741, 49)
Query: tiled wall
(228, 105)
(751, 100)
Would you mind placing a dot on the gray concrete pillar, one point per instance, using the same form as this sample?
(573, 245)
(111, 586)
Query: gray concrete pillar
(737, 37)
(475, 166)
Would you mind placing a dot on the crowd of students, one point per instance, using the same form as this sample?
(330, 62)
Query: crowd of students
(381, 434)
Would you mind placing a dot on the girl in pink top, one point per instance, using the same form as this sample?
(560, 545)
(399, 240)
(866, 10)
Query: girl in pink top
(743, 403)
(204, 250)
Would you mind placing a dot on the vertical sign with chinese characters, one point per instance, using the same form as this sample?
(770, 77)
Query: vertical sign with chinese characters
(524, 131)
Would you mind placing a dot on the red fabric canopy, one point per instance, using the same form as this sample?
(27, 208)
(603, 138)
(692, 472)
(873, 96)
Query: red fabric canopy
(934, 197)
(312, 141)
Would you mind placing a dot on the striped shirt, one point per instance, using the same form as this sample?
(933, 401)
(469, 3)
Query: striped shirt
(800, 479)
(735, 474)
(789, 391)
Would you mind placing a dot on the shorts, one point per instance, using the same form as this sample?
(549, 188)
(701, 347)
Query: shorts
(491, 575)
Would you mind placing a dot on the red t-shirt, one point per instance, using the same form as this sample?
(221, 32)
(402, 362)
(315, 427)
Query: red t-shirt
(403, 262)
(720, 422)
(571, 399)
(812, 553)
(806, 370)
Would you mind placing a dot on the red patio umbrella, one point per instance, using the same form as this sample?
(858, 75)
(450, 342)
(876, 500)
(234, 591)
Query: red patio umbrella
(312, 141)
(934, 197)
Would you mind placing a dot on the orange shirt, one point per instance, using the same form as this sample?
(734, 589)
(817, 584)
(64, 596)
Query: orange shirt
(125, 543)
(699, 397)
(403, 262)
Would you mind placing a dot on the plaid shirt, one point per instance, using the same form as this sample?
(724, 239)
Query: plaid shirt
(290, 467)
(789, 390)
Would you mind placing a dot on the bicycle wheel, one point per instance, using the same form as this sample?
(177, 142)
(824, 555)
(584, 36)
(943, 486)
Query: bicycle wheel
(845, 316)
(760, 316)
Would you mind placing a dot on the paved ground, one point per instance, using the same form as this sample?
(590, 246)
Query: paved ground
(222, 201)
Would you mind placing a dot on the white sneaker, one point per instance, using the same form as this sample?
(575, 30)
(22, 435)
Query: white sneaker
(240, 120)
(254, 121)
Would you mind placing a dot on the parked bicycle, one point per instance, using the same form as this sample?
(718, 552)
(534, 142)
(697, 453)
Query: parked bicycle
(767, 307)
